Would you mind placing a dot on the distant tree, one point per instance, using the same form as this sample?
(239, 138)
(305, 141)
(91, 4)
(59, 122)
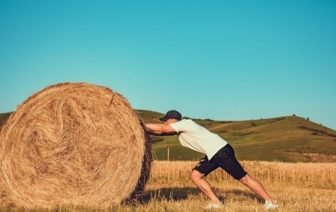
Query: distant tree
(207, 119)
(308, 118)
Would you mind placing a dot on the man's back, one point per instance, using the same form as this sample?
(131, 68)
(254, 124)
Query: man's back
(198, 138)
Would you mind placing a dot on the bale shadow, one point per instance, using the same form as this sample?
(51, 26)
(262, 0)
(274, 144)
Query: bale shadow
(243, 195)
(166, 194)
(178, 193)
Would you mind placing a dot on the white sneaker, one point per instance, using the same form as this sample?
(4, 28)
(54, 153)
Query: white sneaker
(215, 206)
(269, 206)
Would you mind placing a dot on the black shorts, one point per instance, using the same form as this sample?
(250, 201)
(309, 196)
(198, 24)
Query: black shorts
(224, 158)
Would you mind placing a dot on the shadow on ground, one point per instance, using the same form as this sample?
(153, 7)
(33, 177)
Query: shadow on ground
(177, 193)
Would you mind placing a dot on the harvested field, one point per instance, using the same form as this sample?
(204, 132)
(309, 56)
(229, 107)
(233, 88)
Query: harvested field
(298, 187)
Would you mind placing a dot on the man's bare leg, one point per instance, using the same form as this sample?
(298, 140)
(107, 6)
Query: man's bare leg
(256, 187)
(204, 186)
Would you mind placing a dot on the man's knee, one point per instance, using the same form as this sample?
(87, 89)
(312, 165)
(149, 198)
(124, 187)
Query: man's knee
(245, 180)
(196, 175)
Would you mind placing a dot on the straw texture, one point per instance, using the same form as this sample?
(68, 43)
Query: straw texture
(74, 143)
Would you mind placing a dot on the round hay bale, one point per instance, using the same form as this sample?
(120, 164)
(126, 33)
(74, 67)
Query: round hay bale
(74, 143)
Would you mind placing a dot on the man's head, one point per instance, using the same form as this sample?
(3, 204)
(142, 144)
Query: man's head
(172, 114)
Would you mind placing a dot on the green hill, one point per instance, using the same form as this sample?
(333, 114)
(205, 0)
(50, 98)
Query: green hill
(286, 139)
(3, 118)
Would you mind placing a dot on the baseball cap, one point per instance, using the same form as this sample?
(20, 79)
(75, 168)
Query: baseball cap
(172, 114)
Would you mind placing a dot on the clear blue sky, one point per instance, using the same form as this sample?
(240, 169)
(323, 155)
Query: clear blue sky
(223, 60)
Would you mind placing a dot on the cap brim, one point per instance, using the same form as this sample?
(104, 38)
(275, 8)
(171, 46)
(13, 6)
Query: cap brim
(163, 119)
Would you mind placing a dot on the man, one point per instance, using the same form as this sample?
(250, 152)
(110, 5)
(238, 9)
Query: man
(218, 153)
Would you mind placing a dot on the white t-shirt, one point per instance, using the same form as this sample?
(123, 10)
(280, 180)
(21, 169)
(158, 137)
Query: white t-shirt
(198, 138)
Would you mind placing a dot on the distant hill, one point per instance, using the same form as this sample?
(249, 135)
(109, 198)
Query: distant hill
(286, 139)
(3, 118)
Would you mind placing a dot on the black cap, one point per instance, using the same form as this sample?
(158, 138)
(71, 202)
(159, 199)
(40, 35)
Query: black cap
(172, 114)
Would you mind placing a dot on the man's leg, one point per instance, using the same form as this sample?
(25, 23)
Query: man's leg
(256, 187)
(225, 158)
(204, 186)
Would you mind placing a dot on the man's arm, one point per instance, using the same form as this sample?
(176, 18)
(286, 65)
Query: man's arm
(160, 129)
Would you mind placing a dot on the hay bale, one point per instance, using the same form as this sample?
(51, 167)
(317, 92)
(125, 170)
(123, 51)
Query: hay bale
(74, 143)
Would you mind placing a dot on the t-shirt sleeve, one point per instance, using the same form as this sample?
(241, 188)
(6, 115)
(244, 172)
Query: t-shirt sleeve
(180, 126)
(175, 127)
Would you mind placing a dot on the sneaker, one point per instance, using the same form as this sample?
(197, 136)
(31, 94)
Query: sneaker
(269, 206)
(215, 206)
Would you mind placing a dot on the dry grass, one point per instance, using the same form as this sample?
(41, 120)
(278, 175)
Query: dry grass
(319, 175)
(321, 158)
(74, 143)
(299, 187)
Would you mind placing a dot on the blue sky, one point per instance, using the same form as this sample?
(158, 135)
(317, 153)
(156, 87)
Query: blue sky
(223, 60)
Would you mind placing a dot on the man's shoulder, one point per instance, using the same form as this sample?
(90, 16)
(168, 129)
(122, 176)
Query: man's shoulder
(187, 121)
(182, 125)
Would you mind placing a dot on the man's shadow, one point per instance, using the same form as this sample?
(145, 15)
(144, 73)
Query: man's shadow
(177, 193)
